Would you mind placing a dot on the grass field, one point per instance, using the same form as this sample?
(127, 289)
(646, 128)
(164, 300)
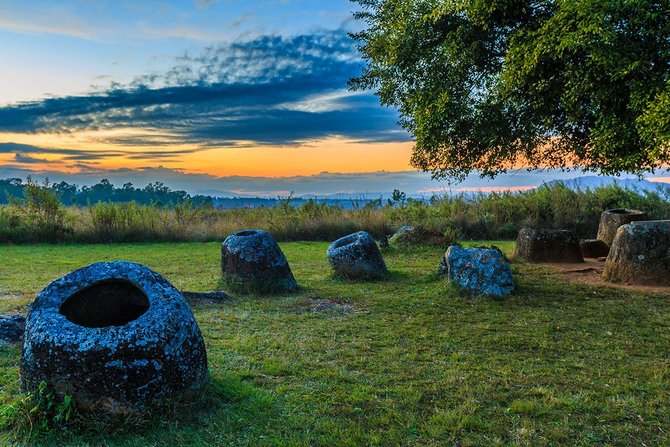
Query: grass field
(413, 364)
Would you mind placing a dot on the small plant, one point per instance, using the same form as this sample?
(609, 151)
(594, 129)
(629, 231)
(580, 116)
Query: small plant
(398, 198)
(37, 412)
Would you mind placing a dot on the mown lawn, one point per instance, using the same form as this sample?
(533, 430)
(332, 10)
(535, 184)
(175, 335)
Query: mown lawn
(413, 364)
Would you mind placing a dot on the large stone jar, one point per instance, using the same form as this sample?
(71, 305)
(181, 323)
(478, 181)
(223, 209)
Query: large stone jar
(356, 256)
(640, 254)
(115, 336)
(408, 235)
(252, 262)
(611, 220)
(478, 271)
(541, 245)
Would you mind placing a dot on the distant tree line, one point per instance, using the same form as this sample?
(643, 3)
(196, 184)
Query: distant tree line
(68, 194)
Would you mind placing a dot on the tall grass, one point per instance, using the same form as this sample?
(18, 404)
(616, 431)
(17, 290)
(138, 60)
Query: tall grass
(502, 215)
(487, 216)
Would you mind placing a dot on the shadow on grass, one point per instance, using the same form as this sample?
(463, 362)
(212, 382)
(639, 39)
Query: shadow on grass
(228, 402)
(393, 276)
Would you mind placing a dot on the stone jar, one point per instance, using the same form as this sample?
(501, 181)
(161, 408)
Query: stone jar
(541, 245)
(116, 336)
(357, 256)
(252, 262)
(611, 220)
(478, 271)
(640, 254)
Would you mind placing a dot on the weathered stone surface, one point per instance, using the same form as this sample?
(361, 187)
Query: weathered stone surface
(640, 254)
(252, 262)
(410, 235)
(116, 336)
(479, 271)
(538, 245)
(11, 328)
(594, 248)
(357, 256)
(611, 220)
(402, 235)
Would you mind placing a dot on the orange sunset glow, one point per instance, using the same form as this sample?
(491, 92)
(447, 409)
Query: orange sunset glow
(248, 159)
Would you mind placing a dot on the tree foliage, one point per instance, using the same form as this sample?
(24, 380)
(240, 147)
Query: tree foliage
(487, 85)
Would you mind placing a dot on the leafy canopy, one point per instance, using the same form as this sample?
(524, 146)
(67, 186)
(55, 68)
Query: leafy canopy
(487, 85)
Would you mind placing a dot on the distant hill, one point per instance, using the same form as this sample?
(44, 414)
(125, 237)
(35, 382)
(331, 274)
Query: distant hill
(633, 184)
(159, 194)
(258, 202)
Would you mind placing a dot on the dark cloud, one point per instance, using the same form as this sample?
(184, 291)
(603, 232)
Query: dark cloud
(69, 154)
(25, 153)
(23, 159)
(270, 90)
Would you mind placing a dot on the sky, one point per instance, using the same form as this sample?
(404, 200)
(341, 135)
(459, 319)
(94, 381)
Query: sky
(223, 88)
(245, 95)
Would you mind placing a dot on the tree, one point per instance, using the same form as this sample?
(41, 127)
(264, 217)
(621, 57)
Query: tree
(487, 85)
(398, 198)
(42, 207)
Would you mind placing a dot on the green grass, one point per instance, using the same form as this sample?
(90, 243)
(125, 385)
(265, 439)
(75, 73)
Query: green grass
(414, 364)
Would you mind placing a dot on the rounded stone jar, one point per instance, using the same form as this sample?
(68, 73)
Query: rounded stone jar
(611, 220)
(116, 336)
(357, 256)
(640, 254)
(252, 262)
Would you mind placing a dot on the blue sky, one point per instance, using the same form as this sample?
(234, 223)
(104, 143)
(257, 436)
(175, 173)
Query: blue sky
(65, 47)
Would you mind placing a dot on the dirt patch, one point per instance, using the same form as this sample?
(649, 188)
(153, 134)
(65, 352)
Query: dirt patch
(326, 306)
(590, 272)
(320, 306)
(4, 295)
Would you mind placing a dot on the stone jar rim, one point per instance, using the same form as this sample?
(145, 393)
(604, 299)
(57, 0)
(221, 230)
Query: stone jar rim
(348, 240)
(164, 302)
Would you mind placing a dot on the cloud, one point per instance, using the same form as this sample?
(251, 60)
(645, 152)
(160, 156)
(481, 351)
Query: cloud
(72, 19)
(42, 23)
(8, 148)
(27, 159)
(270, 90)
(25, 154)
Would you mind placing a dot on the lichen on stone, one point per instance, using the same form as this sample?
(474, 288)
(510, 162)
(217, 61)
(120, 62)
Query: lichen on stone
(479, 271)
